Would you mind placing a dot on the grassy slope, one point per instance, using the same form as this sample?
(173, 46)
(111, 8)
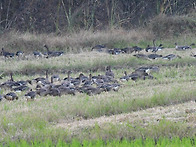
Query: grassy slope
(39, 119)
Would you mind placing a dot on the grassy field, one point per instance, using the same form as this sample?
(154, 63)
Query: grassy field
(158, 108)
(138, 142)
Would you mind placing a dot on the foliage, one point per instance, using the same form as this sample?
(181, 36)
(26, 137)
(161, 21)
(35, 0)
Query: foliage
(58, 15)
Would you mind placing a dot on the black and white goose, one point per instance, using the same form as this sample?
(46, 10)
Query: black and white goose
(158, 48)
(171, 57)
(20, 88)
(137, 49)
(11, 96)
(127, 50)
(8, 84)
(37, 54)
(19, 53)
(182, 48)
(125, 77)
(7, 54)
(30, 95)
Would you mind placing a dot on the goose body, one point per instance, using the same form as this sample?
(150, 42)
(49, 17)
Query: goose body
(154, 56)
(150, 48)
(141, 56)
(114, 51)
(170, 57)
(125, 77)
(19, 53)
(137, 49)
(37, 54)
(53, 53)
(21, 88)
(30, 95)
(127, 50)
(182, 48)
(109, 72)
(11, 96)
(7, 54)
(99, 48)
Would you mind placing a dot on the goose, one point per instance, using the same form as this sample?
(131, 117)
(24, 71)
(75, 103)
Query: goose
(68, 78)
(67, 90)
(154, 48)
(141, 56)
(7, 54)
(77, 81)
(54, 91)
(41, 79)
(20, 88)
(11, 96)
(30, 95)
(114, 51)
(89, 81)
(42, 91)
(137, 49)
(158, 48)
(37, 54)
(149, 48)
(99, 48)
(55, 78)
(171, 57)
(127, 50)
(115, 86)
(53, 53)
(8, 84)
(181, 48)
(89, 90)
(19, 53)
(109, 72)
(154, 56)
(125, 77)
(105, 87)
(138, 74)
(143, 69)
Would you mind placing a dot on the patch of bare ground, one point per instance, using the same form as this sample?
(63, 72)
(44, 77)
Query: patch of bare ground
(185, 112)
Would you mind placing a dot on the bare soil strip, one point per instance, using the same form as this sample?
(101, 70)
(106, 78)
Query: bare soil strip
(185, 112)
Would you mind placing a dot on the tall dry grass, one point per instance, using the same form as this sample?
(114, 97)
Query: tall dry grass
(71, 42)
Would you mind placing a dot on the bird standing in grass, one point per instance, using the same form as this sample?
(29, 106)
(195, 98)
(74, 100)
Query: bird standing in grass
(30, 95)
(11, 96)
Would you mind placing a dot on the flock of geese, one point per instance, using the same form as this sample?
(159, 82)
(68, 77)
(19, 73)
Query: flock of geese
(115, 51)
(154, 49)
(91, 85)
(35, 53)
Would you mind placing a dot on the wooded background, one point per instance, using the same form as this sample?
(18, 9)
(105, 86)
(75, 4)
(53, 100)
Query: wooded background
(45, 16)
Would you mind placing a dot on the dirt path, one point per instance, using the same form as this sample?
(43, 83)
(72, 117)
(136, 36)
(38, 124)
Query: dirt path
(179, 112)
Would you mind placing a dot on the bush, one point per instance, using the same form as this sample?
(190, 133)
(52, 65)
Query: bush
(164, 26)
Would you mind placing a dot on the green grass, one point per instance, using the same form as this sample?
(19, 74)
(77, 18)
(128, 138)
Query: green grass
(148, 142)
